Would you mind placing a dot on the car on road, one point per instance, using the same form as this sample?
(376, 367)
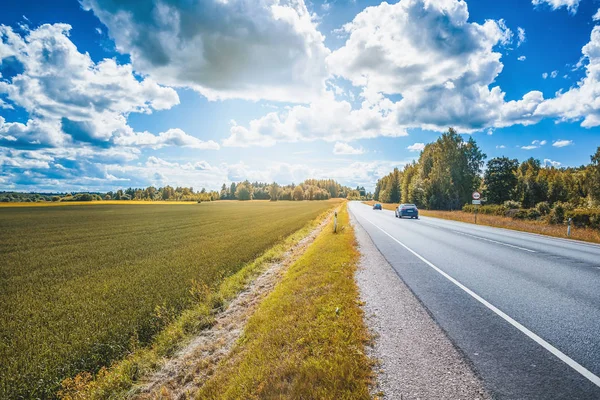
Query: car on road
(377, 206)
(407, 210)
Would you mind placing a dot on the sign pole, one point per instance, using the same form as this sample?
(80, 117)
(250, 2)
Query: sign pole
(476, 202)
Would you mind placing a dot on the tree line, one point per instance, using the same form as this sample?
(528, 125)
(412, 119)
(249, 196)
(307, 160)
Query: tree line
(450, 169)
(310, 189)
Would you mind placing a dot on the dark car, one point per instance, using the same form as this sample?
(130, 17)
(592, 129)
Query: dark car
(407, 210)
(377, 206)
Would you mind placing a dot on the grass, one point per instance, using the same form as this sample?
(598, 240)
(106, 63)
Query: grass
(90, 203)
(539, 227)
(81, 286)
(306, 340)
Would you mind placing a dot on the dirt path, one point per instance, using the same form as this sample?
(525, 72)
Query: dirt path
(186, 372)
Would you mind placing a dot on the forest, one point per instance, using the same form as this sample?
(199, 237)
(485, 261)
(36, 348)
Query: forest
(450, 169)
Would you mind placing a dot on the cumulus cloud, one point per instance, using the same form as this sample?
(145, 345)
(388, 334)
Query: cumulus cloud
(501, 146)
(71, 99)
(596, 17)
(522, 58)
(570, 5)
(252, 49)
(344, 148)
(324, 119)
(440, 63)
(416, 147)
(536, 144)
(562, 143)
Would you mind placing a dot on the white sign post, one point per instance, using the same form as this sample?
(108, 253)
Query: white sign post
(476, 202)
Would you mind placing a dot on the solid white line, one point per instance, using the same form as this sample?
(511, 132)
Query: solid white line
(495, 241)
(562, 356)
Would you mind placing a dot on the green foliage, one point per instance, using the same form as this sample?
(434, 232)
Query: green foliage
(94, 282)
(243, 192)
(586, 217)
(444, 177)
(500, 179)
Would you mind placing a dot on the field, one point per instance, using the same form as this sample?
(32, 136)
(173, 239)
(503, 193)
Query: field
(80, 286)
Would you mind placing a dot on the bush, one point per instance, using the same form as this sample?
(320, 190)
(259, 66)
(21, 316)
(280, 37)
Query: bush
(533, 214)
(585, 217)
(511, 204)
(492, 209)
(543, 208)
(557, 214)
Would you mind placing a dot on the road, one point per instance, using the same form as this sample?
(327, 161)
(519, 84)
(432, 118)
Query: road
(524, 309)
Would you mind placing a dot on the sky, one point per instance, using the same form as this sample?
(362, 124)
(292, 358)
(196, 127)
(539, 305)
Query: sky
(97, 95)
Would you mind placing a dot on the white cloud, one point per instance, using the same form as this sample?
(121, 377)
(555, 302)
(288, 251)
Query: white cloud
(522, 58)
(571, 5)
(501, 146)
(70, 98)
(580, 102)
(416, 147)
(520, 36)
(549, 162)
(596, 17)
(554, 74)
(545, 75)
(344, 148)
(324, 119)
(530, 147)
(562, 143)
(403, 49)
(172, 137)
(252, 49)
(539, 142)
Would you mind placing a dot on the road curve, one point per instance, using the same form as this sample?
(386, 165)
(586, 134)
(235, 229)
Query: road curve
(524, 309)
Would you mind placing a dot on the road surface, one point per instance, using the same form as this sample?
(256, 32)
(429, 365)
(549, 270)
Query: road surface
(524, 309)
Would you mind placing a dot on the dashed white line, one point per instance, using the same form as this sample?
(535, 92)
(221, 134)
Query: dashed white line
(495, 241)
(559, 354)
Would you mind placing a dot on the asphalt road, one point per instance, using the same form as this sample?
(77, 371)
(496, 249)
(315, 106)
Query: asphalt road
(524, 309)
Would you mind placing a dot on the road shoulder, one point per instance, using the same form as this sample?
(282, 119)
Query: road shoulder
(416, 358)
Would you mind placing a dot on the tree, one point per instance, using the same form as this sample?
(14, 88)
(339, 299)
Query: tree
(243, 192)
(594, 177)
(500, 179)
(274, 191)
(298, 193)
(232, 191)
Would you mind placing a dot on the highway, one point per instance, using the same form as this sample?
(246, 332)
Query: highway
(524, 309)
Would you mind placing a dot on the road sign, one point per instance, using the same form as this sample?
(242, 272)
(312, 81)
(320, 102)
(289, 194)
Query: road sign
(476, 195)
(477, 202)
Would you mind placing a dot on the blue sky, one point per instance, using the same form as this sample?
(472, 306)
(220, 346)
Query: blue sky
(97, 94)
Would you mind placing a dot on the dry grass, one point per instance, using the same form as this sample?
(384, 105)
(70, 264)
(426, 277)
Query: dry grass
(306, 340)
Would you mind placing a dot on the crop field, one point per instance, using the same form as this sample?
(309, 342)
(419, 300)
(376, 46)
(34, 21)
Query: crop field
(80, 286)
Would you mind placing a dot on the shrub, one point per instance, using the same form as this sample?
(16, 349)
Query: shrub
(511, 204)
(533, 214)
(557, 214)
(585, 217)
(543, 208)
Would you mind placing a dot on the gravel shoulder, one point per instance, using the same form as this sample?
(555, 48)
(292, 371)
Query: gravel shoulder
(416, 359)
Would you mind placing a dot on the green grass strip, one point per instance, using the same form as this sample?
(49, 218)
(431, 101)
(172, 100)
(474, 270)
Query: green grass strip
(307, 338)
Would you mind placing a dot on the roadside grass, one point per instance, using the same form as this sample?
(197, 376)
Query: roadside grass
(81, 287)
(306, 340)
(539, 227)
(90, 203)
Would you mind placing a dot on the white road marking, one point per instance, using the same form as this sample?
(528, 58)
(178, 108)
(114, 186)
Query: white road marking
(559, 354)
(495, 241)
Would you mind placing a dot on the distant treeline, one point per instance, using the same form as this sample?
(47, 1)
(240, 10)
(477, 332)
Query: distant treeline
(311, 189)
(450, 169)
